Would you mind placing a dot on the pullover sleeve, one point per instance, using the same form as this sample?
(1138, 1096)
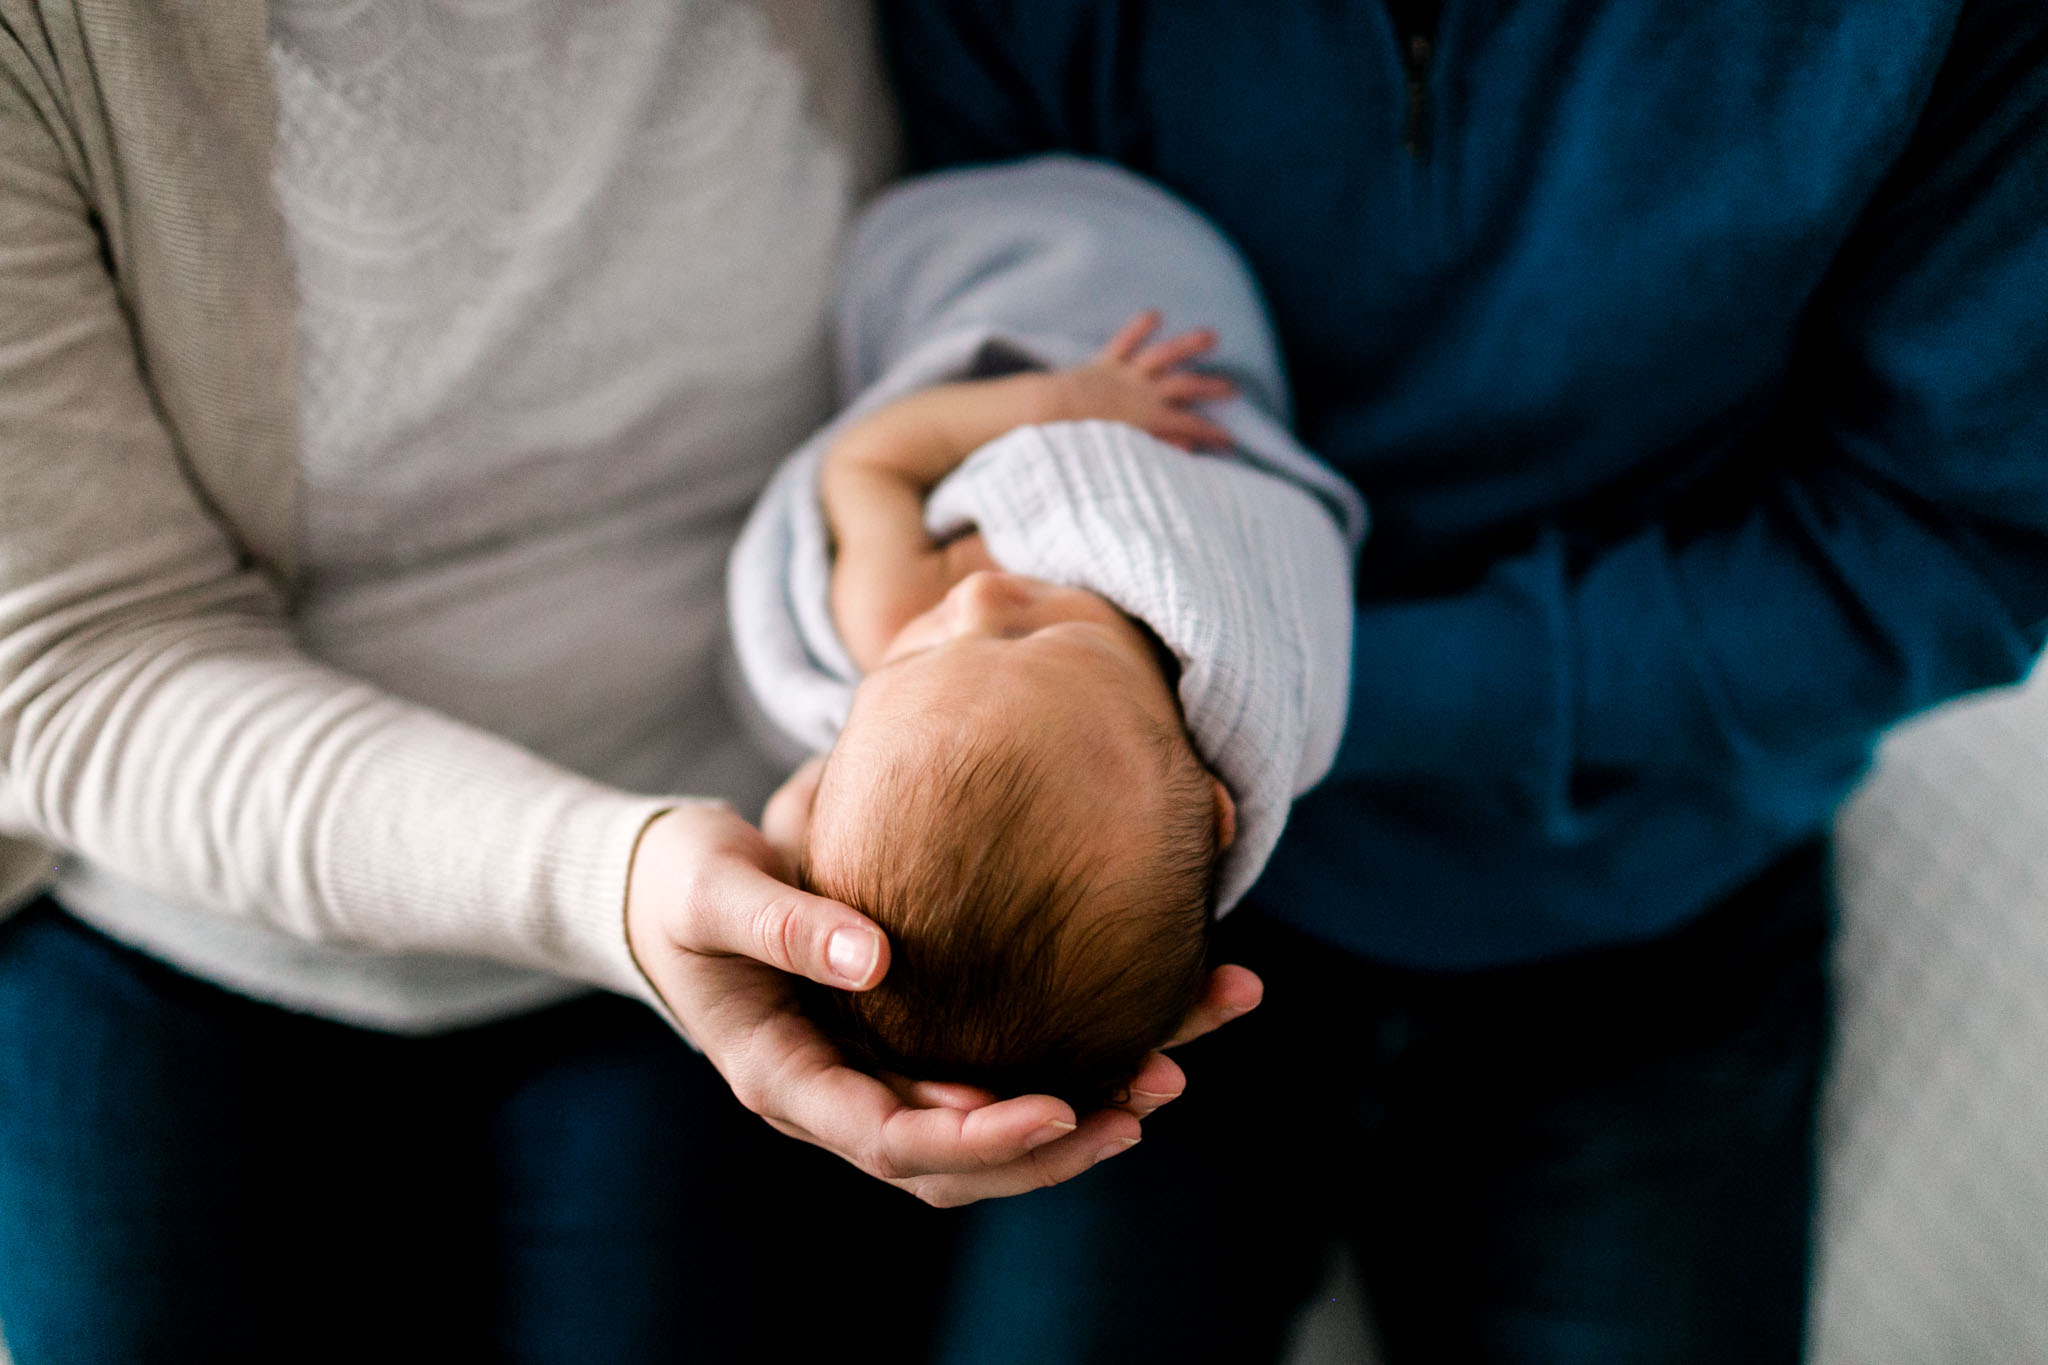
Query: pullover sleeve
(155, 713)
(1883, 551)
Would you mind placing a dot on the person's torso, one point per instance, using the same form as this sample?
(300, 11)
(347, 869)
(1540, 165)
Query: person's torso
(1539, 270)
(562, 282)
(1530, 263)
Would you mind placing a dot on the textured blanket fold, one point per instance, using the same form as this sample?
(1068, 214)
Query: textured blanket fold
(1242, 565)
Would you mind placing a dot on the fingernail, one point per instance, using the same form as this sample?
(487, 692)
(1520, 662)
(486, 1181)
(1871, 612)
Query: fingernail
(851, 953)
(1116, 1148)
(1050, 1131)
(1160, 1095)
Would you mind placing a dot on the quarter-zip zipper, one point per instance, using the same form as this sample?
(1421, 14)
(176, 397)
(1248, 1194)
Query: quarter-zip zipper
(1416, 50)
(1415, 23)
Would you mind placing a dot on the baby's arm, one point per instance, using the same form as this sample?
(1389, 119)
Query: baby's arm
(886, 569)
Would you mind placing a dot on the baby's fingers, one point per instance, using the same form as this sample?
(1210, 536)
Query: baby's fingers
(1175, 351)
(1184, 387)
(1191, 432)
(1130, 337)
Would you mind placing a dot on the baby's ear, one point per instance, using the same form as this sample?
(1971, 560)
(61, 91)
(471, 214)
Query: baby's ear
(1226, 814)
(786, 820)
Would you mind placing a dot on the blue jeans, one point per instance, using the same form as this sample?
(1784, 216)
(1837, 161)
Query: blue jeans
(186, 1174)
(1603, 1161)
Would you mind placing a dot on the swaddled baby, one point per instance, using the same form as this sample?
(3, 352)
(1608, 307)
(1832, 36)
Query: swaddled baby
(1021, 769)
(1013, 797)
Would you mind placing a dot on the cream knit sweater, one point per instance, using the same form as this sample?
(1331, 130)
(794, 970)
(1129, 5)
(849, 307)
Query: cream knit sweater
(158, 715)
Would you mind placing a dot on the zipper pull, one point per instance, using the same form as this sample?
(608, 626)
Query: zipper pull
(1415, 130)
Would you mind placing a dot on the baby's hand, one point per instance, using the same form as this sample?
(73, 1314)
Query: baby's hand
(1136, 380)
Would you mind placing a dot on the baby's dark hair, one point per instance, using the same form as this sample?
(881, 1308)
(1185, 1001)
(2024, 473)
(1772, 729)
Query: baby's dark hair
(995, 977)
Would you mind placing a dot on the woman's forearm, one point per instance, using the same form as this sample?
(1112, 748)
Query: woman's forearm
(156, 713)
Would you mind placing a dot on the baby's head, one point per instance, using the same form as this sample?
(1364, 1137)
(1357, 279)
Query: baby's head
(1015, 801)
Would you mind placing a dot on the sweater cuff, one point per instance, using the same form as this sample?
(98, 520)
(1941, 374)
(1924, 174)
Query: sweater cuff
(1476, 683)
(584, 873)
(528, 865)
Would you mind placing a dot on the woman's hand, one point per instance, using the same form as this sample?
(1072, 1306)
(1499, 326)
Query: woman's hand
(719, 935)
(1232, 990)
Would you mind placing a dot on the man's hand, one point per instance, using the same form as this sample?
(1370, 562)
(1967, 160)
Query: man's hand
(1146, 384)
(719, 935)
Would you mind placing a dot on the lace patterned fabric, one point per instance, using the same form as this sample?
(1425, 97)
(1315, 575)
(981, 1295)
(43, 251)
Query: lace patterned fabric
(551, 256)
(563, 270)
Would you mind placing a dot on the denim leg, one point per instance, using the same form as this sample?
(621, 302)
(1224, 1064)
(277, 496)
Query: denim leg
(622, 1192)
(186, 1175)
(1612, 1161)
(170, 1190)
(1201, 1243)
(1603, 1160)
(1118, 1265)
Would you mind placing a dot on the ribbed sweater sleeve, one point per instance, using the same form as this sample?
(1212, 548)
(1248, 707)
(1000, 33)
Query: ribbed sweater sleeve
(155, 713)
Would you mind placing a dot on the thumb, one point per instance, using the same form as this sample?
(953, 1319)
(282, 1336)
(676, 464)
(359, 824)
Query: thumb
(745, 912)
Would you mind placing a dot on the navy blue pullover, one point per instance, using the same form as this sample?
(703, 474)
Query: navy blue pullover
(1693, 358)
